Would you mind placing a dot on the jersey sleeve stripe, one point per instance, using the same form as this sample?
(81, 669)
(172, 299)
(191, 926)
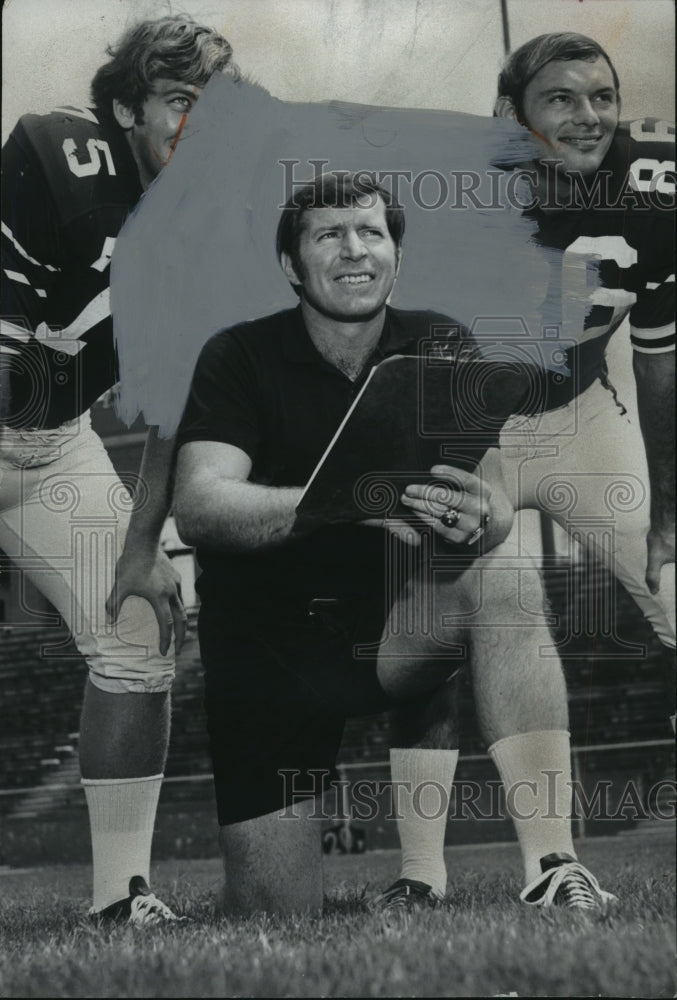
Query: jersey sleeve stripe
(55, 340)
(13, 331)
(658, 349)
(653, 341)
(650, 334)
(23, 280)
(653, 285)
(7, 232)
(85, 113)
(16, 276)
(93, 313)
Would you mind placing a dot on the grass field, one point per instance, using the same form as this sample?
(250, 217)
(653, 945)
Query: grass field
(482, 942)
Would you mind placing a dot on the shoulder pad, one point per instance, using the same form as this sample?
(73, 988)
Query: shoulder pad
(82, 160)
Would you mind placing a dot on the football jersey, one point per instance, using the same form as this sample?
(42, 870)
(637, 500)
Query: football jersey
(69, 182)
(620, 222)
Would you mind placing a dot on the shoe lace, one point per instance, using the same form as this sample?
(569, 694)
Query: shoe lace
(574, 889)
(569, 884)
(574, 886)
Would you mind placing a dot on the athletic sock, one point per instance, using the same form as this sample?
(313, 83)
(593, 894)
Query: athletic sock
(422, 803)
(536, 772)
(121, 819)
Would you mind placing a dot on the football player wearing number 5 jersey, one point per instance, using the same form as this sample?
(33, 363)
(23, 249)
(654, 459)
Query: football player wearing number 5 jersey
(70, 178)
(603, 196)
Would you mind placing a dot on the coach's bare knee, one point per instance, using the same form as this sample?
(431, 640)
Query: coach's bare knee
(517, 676)
(273, 863)
(420, 647)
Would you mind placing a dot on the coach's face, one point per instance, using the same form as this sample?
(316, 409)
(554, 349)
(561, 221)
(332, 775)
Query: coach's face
(347, 260)
(153, 135)
(572, 108)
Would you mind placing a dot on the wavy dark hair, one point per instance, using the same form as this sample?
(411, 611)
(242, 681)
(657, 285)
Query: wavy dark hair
(335, 189)
(173, 47)
(524, 63)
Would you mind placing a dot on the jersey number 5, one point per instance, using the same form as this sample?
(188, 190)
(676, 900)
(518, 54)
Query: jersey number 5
(91, 166)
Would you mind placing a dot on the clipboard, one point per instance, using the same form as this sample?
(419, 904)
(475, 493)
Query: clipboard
(412, 412)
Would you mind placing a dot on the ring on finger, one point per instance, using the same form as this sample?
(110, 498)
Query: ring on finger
(450, 517)
(479, 530)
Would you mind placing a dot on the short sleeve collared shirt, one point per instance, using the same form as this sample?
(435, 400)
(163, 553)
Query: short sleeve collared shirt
(264, 388)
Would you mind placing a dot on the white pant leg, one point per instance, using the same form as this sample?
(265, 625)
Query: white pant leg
(63, 518)
(585, 465)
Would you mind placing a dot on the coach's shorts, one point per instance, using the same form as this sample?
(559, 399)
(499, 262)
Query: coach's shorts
(277, 694)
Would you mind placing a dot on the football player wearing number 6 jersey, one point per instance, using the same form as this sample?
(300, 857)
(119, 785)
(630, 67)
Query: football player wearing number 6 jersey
(603, 196)
(70, 179)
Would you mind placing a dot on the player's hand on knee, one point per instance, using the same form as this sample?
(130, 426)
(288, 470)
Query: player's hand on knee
(660, 544)
(153, 577)
(457, 505)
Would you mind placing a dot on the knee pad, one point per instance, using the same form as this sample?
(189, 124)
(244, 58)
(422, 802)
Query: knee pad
(119, 681)
(125, 658)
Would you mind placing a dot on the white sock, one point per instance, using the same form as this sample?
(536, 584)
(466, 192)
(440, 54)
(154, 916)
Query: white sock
(541, 810)
(422, 809)
(121, 819)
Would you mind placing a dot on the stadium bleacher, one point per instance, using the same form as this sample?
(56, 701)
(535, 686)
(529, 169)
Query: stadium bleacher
(613, 700)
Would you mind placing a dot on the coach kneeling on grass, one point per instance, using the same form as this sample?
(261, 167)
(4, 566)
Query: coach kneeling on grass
(283, 608)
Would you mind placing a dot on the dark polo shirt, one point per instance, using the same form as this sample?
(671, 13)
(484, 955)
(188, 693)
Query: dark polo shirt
(264, 388)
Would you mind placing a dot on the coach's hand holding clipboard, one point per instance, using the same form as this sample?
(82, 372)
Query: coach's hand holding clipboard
(417, 447)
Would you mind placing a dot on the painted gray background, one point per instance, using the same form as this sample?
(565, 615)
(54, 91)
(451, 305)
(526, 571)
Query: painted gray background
(198, 253)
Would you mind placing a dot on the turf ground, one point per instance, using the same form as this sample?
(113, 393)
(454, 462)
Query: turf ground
(481, 942)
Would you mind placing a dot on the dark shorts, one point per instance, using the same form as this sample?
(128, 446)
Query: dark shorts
(277, 693)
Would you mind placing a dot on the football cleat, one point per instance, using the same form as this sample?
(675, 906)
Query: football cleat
(406, 894)
(566, 883)
(141, 908)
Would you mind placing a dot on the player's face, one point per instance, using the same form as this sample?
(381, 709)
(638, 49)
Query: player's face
(572, 108)
(164, 115)
(347, 260)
